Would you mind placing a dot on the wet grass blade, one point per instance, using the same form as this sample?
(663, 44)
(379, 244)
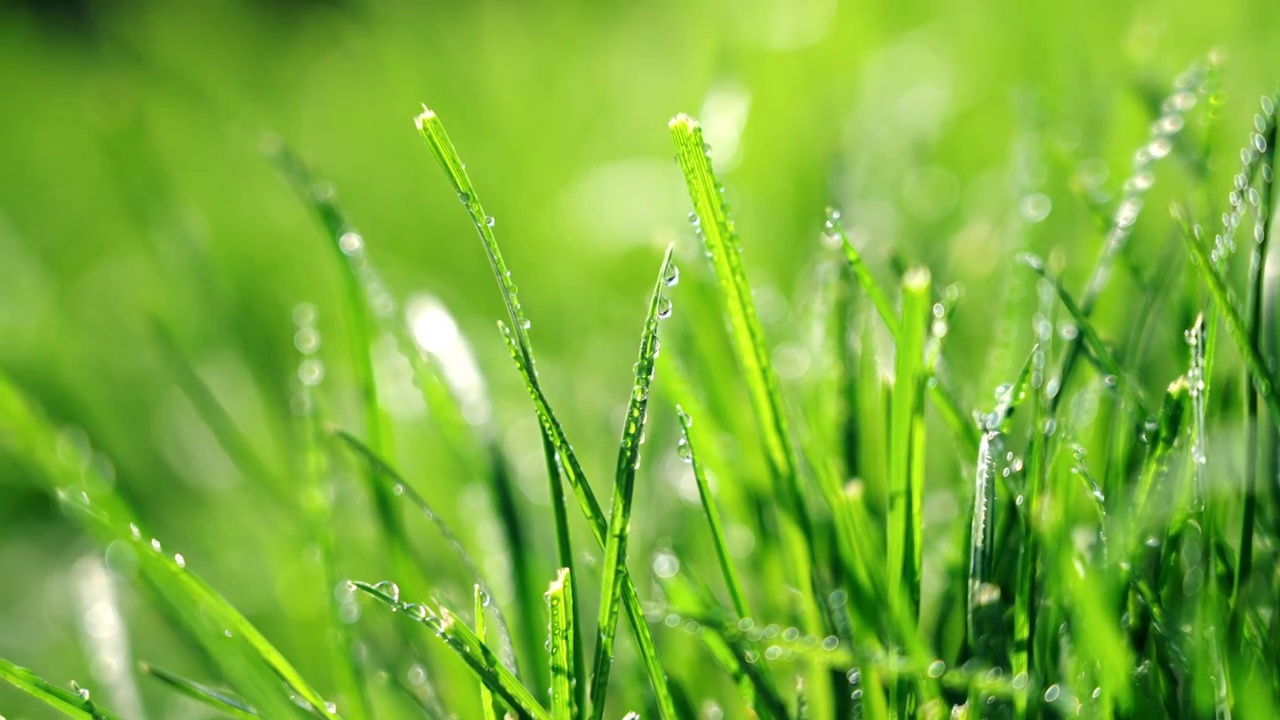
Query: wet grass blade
(716, 228)
(254, 665)
(559, 605)
(486, 695)
(219, 700)
(399, 487)
(688, 453)
(433, 132)
(615, 548)
(71, 703)
(464, 642)
(1236, 328)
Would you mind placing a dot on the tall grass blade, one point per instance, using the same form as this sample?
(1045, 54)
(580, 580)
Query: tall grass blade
(486, 695)
(615, 548)
(433, 132)
(688, 453)
(716, 228)
(72, 703)
(478, 657)
(219, 700)
(559, 605)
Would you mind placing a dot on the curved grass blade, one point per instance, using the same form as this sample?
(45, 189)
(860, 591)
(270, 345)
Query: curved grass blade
(906, 474)
(615, 548)
(220, 700)
(72, 703)
(560, 607)
(446, 154)
(942, 397)
(1236, 328)
(596, 522)
(482, 661)
(399, 487)
(255, 666)
(720, 240)
(687, 453)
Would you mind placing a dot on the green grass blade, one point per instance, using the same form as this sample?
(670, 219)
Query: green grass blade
(433, 132)
(747, 336)
(400, 487)
(486, 695)
(945, 401)
(478, 657)
(689, 454)
(1236, 328)
(615, 549)
(220, 700)
(72, 703)
(560, 607)
(95, 502)
(906, 474)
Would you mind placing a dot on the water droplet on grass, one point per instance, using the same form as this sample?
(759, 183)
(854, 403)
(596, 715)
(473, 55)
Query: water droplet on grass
(1052, 693)
(490, 221)
(351, 243)
(390, 589)
(664, 307)
(179, 560)
(665, 565)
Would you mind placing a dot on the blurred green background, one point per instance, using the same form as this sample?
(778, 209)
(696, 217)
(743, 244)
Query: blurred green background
(133, 189)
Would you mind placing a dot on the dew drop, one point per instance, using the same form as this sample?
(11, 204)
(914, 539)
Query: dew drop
(179, 560)
(664, 307)
(672, 275)
(390, 589)
(1159, 147)
(490, 221)
(1035, 208)
(665, 565)
(1052, 692)
(350, 243)
(684, 450)
(936, 668)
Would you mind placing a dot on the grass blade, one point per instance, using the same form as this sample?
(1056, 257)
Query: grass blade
(486, 695)
(747, 336)
(560, 607)
(906, 491)
(482, 661)
(1236, 328)
(687, 453)
(72, 703)
(220, 700)
(615, 549)
(446, 154)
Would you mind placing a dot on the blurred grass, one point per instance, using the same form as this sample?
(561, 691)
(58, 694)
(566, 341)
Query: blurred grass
(134, 187)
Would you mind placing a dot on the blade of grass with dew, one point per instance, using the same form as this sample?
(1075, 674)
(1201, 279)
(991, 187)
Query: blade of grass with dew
(721, 242)
(1236, 328)
(942, 397)
(369, 301)
(688, 453)
(459, 638)
(400, 487)
(255, 667)
(1187, 92)
(220, 700)
(348, 247)
(615, 548)
(486, 695)
(319, 508)
(442, 148)
(1261, 203)
(72, 703)
(559, 606)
